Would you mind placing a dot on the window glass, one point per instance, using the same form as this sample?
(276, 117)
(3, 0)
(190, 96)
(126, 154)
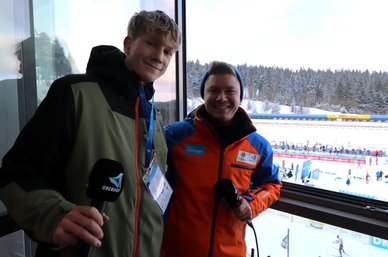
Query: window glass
(14, 29)
(342, 156)
(316, 88)
(316, 83)
(65, 37)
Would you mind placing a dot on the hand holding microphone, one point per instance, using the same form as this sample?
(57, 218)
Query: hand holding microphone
(106, 182)
(243, 212)
(226, 191)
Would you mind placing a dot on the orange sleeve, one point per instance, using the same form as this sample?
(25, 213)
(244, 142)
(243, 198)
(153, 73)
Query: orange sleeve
(263, 197)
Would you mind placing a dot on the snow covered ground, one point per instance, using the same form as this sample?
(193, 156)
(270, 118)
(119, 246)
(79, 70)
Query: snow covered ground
(332, 175)
(308, 238)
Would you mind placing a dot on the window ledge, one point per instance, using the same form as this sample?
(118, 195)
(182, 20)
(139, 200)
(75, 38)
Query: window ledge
(335, 212)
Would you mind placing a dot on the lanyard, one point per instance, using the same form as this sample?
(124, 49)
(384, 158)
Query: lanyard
(149, 123)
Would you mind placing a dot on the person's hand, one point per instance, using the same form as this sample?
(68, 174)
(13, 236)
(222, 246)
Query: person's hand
(244, 211)
(81, 223)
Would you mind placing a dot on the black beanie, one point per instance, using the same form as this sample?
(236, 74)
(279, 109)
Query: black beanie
(239, 77)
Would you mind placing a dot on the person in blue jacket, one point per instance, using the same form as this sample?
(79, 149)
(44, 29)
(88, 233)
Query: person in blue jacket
(221, 170)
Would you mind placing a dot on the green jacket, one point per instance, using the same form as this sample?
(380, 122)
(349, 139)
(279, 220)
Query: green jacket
(82, 119)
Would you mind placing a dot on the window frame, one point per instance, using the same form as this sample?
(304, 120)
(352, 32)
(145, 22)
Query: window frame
(346, 211)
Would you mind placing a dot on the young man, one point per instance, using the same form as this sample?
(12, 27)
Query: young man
(213, 151)
(85, 118)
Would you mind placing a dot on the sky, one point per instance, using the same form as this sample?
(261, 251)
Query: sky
(317, 34)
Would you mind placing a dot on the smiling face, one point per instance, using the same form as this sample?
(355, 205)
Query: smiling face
(222, 97)
(148, 56)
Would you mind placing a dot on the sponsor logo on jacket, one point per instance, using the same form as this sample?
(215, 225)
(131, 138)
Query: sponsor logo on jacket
(247, 157)
(194, 149)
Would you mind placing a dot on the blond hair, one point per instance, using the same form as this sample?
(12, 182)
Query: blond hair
(157, 23)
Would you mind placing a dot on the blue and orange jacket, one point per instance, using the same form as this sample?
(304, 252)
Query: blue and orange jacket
(196, 223)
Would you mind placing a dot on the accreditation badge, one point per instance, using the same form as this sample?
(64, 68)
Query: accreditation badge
(157, 185)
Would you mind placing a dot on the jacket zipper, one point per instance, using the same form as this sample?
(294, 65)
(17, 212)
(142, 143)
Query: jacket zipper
(135, 232)
(210, 254)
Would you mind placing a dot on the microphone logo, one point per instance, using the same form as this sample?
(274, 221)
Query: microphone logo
(106, 180)
(117, 181)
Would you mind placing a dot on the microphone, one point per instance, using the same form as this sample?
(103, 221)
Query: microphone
(226, 191)
(106, 181)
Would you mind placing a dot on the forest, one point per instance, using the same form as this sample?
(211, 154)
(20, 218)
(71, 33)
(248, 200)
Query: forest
(345, 91)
